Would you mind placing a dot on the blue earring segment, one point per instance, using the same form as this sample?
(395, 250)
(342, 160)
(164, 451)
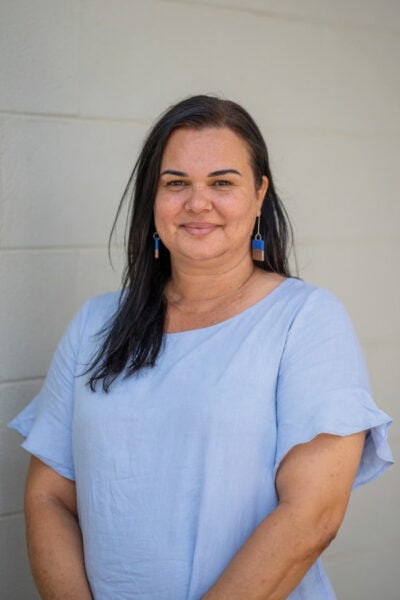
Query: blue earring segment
(257, 245)
(257, 248)
(156, 245)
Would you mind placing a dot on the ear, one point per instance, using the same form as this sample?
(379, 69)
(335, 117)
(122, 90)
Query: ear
(261, 191)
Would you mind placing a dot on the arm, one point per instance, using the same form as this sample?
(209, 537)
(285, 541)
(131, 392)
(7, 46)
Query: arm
(313, 483)
(53, 535)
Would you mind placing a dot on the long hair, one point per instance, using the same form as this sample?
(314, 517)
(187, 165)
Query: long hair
(133, 337)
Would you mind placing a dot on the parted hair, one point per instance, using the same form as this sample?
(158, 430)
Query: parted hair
(133, 337)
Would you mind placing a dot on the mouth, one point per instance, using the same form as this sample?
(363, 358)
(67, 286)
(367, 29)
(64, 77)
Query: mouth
(199, 229)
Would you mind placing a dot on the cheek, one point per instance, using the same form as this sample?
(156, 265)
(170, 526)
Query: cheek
(240, 208)
(243, 218)
(165, 210)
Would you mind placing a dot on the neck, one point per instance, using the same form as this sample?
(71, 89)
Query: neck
(196, 284)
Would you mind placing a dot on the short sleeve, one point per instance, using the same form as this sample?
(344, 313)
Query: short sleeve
(323, 386)
(46, 423)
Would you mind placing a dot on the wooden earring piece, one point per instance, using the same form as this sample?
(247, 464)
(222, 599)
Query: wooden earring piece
(156, 245)
(258, 245)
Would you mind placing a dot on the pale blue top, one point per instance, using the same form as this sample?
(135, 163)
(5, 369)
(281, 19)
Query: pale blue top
(175, 467)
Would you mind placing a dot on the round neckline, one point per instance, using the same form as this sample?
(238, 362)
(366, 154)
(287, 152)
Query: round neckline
(271, 294)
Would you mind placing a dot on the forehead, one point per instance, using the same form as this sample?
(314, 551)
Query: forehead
(202, 147)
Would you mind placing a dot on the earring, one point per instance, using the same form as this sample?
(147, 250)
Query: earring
(257, 244)
(156, 238)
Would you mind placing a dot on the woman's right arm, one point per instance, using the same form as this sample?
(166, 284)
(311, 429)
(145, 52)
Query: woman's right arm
(54, 538)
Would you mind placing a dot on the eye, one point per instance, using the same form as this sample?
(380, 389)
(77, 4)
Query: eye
(222, 183)
(175, 183)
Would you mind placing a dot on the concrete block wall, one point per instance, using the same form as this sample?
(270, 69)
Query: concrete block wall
(82, 80)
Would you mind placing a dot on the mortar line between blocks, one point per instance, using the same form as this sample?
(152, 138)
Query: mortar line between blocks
(292, 18)
(78, 118)
(15, 513)
(311, 131)
(19, 380)
(57, 249)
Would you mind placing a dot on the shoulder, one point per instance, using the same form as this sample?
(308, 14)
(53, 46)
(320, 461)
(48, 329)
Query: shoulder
(93, 316)
(307, 311)
(305, 298)
(317, 322)
(315, 305)
(103, 306)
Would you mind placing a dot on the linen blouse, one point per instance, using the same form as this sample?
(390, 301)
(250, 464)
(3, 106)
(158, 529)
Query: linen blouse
(175, 466)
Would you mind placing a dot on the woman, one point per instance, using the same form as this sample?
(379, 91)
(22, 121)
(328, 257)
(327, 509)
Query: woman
(204, 444)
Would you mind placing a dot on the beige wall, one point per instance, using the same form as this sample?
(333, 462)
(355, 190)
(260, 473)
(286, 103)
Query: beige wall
(81, 80)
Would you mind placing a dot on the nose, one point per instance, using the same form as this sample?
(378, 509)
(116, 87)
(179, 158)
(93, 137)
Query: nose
(198, 199)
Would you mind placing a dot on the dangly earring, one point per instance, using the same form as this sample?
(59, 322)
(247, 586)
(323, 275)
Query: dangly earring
(156, 238)
(257, 244)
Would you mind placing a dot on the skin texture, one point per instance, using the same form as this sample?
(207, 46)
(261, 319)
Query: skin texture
(53, 535)
(206, 220)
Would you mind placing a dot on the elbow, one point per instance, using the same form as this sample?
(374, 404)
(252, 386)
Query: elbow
(314, 531)
(326, 535)
(325, 530)
(314, 543)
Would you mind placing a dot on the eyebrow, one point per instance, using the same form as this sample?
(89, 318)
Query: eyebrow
(212, 174)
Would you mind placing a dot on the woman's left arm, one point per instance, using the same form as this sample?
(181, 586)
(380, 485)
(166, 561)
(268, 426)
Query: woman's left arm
(313, 482)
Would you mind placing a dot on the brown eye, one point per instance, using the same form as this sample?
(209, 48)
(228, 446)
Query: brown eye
(222, 183)
(176, 183)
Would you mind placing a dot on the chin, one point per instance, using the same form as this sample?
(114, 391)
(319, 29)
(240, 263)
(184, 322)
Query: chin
(198, 255)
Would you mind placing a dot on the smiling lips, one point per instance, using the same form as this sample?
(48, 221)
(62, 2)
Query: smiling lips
(199, 229)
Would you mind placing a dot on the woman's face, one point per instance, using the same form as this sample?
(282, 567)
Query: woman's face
(207, 202)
